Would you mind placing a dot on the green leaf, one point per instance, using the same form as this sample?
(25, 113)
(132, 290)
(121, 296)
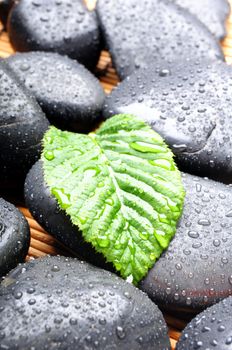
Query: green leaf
(120, 186)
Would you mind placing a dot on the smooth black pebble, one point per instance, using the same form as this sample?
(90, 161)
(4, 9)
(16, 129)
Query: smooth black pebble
(62, 303)
(63, 26)
(195, 270)
(22, 126)
(188, 103)
(14, 238)
(182, 278)
(68, 93)
(213, 13)
(211, 329)
(45, 209)
(138, 32)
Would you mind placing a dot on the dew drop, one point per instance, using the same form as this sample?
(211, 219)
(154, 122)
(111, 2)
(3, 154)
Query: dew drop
(120, 332)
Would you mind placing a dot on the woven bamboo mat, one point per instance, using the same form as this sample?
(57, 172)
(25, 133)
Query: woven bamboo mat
(41, 242)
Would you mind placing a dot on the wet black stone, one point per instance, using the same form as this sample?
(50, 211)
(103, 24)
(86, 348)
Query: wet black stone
(5, 6)
(14, 237)
(213, 13)
(138, 32)
(62, 303)
(63, 26)
(68, 93)
(188, 103)
(45, 209)
(209, 330)
(195, 270)
(22, 126)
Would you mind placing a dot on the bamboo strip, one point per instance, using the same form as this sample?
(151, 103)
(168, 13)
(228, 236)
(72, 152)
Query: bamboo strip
(44, 247)
(4, 54)
(46, 238)
(174, 334)
(34, 224)
(25, 212)
(173, 343)
(35, 253)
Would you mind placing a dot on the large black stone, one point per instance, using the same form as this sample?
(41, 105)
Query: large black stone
(45, 209)
(62, 303)
(189, 104)
(68, 93)
(195, 270)
(209, 330)
(63, 26)
(5, 6)
(138, 32)
(22, 126)
(213, 13)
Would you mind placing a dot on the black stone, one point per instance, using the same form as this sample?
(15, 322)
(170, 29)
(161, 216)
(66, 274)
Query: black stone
(189, 104)
(209, 330)
(62, 303)
(195, 270)
(68, 93)
(138, 32)
(213, 13)
(22, 126)
(5, 6)
(14, 237)
(63, 26)
(45, 209)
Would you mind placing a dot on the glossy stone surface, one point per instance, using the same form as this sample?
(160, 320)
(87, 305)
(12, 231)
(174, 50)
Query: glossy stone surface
(63, 26)
(188, 103)
(209, 330)
(195, 270)
(62, 303)
(138, 32)
(213, 13)
(68, 93)
(22, 126)
(45, 209)
(14, 237)
(5, 6)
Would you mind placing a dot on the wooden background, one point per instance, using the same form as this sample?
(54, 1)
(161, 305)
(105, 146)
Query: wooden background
(41, 242)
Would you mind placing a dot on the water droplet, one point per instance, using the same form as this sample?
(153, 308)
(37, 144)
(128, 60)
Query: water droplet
(144, 235)
(18, 295)
(120, 332)
(164, 72)
(49, 155)
(55, 268)
(62, 197)
(204, 222)
(24, 67)
(103, 242)
(216, 242)
(193, 234)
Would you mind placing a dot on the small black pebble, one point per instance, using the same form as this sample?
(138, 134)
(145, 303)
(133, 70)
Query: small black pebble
(14, 237)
